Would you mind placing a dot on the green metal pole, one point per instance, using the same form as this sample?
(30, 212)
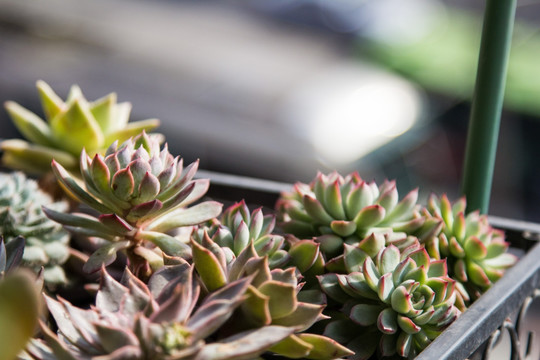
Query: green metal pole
(487, 103)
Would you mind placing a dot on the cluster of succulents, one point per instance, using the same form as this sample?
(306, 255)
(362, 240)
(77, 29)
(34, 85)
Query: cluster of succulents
(476, 252)
(343, 269)
(168, 318)
(69, 127)
(21, 214)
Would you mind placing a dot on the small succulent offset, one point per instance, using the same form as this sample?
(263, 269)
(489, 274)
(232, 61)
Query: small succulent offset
(394, 302)
(141, 193)
(168, 319)
(21, 214)
(476, 252)
(336, 210)
(272, 299)
(236, 228)
(70, 126)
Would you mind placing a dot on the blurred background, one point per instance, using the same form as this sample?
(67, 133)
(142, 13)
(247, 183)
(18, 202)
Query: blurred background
(279, 89)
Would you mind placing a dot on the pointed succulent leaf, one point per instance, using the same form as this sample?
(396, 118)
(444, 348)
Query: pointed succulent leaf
(282, 296)
(185, 217)
(343, 228)
(77, 126)
(477, 274)
(123, 184)
(408, 325)
(115, 223)
(358, 198)
(330, 285)
(50, 102)
(369, 216)
(168, 244)
(131, 129)
(104, 256)
(403, 209)
(304, 254)
(103, 111)
(113, 338)
(315, 209)
(387, 321)
(246, 345)
(474, 248)
(332, 201)
(365, 314)
(386, 287)
(389, 260)
(208, 267)
(29, 124)
(255, 306)
(63, 176)
(324, 348)
(292, 347)
(302, 317)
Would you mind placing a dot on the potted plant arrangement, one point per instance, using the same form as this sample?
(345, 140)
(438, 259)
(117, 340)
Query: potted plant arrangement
(339, 268)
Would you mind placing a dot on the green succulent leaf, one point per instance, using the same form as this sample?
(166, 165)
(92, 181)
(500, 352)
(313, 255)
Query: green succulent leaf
(324, 348)
(104, 256)
(77, 126)
(29, 124)
(208, 267)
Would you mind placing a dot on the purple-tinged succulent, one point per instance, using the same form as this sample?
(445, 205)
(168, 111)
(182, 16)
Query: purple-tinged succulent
(476, 252)
(141, 192)
(272, 299)
(393, 302)
(167, 319)
(336, 210)
(236, 228)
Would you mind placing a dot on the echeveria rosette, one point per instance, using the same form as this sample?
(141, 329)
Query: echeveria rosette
(476, 252)
(141, 193)
(168, 319)
(271, 299)
(394, 303)
(47, 244)
(69, 127)
(236, 228)
(336, 210)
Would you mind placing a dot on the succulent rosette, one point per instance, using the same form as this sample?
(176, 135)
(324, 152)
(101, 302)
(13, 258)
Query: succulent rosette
(47, 244)
(271, 299)
(141, 192)
(69, 127)
(236, 228)
(393, 302)
(168, 319)
(476, 252)
(336, 210)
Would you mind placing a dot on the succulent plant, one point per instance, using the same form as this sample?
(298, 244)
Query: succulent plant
(395, 302)
(164, 320)
(476, 252)
(272, 299)
(336, 210)
(47, 244)
(141, 192)
(70, 126)
(236, 228)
